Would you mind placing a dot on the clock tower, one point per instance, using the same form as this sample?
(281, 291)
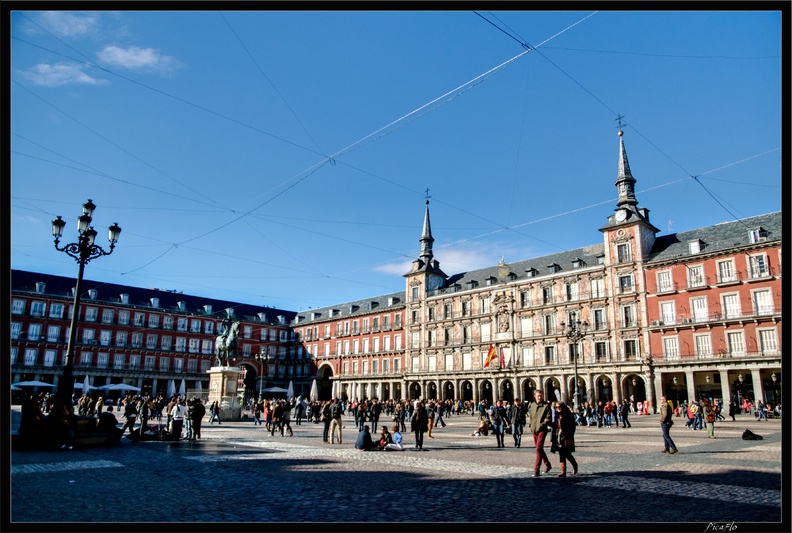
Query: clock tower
(629, 225)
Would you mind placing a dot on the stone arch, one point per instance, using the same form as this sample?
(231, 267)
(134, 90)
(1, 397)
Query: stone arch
(448, 390)
(324, 381)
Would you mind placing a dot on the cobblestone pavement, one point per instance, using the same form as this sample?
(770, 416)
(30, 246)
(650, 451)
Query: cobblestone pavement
(239, 473)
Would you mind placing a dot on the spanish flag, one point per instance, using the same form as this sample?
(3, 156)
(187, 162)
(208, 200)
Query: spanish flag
(491, 354)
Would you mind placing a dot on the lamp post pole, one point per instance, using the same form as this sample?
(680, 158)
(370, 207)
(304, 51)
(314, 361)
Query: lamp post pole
(262, 358)
(82, 251)
(575, 331)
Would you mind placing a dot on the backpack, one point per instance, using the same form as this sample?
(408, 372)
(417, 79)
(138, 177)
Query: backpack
(750, 435)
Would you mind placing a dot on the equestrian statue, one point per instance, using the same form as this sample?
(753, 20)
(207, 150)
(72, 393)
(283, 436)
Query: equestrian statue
(226, 342)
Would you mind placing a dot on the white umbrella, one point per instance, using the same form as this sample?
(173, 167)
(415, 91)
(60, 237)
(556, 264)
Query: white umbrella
(86, 386)
(32, 384)
(198, 385)
(275, 389)
(171, 388)
(290, 391)
(314, 391)
(120, 386)
(182, 388)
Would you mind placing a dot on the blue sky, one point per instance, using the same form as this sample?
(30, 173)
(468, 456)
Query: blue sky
(282, 158)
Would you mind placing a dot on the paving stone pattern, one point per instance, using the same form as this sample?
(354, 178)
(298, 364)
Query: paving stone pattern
(239, 473)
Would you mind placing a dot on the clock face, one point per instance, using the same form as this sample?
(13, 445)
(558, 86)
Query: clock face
(621, 214)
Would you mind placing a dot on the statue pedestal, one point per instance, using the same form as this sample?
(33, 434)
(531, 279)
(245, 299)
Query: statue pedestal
(223, 389)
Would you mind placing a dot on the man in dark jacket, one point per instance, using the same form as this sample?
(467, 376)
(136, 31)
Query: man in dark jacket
(540, 418)
(364, 442)
(375, 410)
(517, 421)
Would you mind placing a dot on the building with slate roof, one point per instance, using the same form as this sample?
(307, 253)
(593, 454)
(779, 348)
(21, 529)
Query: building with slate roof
(691, 314)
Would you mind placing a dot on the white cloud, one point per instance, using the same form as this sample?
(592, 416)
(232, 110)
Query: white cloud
(56, 75)
(65, 24)
(137, 58)
(398, 269)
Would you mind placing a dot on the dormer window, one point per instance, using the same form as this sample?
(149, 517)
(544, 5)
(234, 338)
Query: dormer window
(554, 268)
(694, 246)
(124, 298)
(758, 235)
(490, 280)
(40, 287)
(577, 263)
(154, 302)
(472, 284)
(207, 309)
(531, 272)
(92, 294)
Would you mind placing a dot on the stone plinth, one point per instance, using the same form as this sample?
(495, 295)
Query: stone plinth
(223, 388)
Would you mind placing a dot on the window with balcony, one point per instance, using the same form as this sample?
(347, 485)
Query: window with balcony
(107, 316)
(178, 365)
(153, 321)
(599, 319)
(18, 307)
(699, 307)
(195, 325)
(194, 345)
(165, 343)
(736, 342)
(630, 350)
(726, 271)
(149, 362)
(695, 276)
(88, 336)
(626, 284)
(665, 282)
(385, 366)
(118, 361)
(134, 362)
(167, 322)
(56, 311)
(550, 355)
(31, 356)
(164, 364)
(397, 340)
(102, 360)
(91, 314)
(140, 319)
(192, 366)
(671, 348)
(571, 291)
(37, 309)
(763, 302)
(731, 305)
(121, 338)
(601, 351)
(768, 341)
(34, 332)
(397, 321)
(53, 333)
(703, 345)
(151, 342)
(485, 330)
(137, 340)
(49, 357)
(181, 324)
(85, 359)
(668, 313)
(123, 318)
(758, 267)
(628, 316)
(105, 337)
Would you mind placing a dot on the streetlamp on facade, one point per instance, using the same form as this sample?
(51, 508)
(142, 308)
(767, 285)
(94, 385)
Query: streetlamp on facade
(82, 251)
(575, 331)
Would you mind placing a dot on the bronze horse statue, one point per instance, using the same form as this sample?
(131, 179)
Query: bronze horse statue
(226, 343)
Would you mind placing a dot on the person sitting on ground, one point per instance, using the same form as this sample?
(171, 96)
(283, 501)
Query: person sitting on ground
(482, 429)
(364, 442)
(396, 444)
(385, 438)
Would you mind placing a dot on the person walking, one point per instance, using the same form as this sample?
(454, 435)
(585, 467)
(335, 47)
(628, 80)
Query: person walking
(497, 416)
(257, 407)
(375, 410)
(431, 409)
(438, 421)
(565, 433)
(177, 414)
(335, 421)
(130, 415)
(666, 421)
(326, 421)
(419, 423)
(214, 413)
(277, 418)
(517, 421)
(625, 412)
(540, 418)
(286, 420)
(733, 410)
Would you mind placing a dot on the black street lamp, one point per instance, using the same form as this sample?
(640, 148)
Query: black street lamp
(262, 358)
(575, 331)
(83, 251)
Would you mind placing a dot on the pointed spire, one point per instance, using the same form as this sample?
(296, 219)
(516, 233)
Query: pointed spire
(625, 183)
(426, 238)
